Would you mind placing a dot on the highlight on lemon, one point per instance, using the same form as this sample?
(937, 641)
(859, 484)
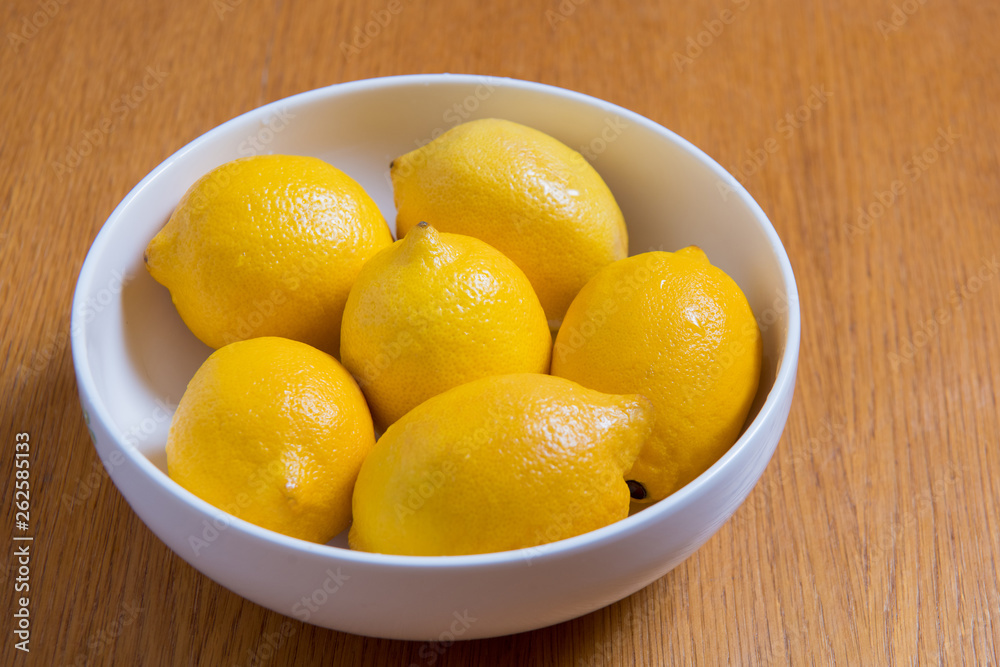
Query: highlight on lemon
(494, 436)
(682, 334)
(267, 246)
(527, 194)
(274, 432)
(503, 462)
(436, 310)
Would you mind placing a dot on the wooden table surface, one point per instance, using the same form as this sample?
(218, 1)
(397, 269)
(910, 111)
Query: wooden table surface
(868, 131)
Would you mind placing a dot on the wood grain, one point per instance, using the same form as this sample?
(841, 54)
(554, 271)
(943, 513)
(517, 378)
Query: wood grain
(873, 536)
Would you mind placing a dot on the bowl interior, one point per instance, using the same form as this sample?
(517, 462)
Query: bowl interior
(134, 354)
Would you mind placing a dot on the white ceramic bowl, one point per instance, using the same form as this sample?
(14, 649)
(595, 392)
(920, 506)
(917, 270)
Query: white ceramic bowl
(133, 357)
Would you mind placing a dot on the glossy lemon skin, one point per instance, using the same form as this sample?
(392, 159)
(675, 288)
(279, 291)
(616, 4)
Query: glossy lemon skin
(267, 246)
(500, 463)
(679, 331)
(274, 432)
(530, 196)
(436, 310)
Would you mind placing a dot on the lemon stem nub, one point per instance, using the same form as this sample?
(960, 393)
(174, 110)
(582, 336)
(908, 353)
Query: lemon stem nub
(423, 224)
(636, 490)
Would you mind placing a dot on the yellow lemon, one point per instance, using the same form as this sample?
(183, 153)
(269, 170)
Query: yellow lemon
(679, 331)
(267, 246)
(530, 196)
(503, 462)
(273, 431)
(434, 311)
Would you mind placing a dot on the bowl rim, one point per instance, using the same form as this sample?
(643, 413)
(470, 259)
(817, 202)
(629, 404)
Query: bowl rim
(783, 382)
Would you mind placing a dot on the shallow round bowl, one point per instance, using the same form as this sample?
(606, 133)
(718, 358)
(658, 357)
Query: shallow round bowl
(133, 357)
